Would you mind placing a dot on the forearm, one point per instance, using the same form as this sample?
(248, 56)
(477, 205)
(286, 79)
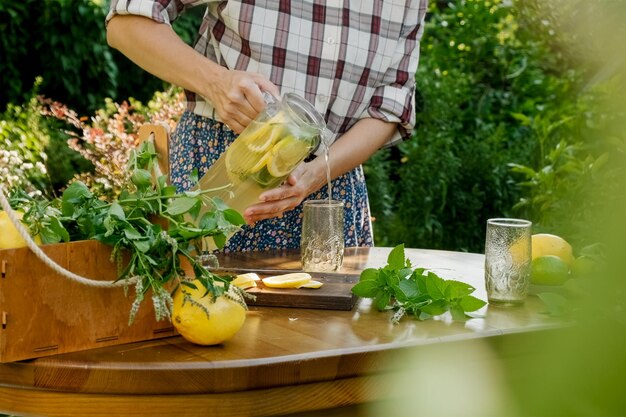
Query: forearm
(355, 147)
(157, 48)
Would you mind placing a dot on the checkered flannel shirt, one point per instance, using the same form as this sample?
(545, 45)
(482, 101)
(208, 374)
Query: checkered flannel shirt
(351, 59)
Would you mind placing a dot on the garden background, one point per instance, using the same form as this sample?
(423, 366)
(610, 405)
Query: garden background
(510, 122)
(521, 112)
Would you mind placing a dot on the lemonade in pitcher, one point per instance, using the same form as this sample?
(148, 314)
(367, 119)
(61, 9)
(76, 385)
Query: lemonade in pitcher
(266, 152)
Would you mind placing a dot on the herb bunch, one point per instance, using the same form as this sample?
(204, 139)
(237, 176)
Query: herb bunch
(416, 291)
(150, 226)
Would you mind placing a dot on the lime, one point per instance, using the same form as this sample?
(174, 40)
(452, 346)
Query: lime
(265, 180)
(286, 154)
(583, 266)
(548, 270)
(546, 244)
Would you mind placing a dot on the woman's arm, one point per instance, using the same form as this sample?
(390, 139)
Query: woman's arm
(352, 149)
(236, 95)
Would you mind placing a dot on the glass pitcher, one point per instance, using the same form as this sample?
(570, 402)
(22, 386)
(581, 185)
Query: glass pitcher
(267, 151)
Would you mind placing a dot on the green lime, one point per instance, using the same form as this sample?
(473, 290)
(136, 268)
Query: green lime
(583, 266)
(548, 270)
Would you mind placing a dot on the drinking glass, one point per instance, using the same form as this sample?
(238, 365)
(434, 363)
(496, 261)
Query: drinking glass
(507, 260)
(322, 244)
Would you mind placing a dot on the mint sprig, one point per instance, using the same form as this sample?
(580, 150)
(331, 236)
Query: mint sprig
(150, 226)
(418, 292)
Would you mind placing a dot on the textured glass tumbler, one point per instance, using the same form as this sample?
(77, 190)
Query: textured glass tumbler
(507, 260)
(322, 244)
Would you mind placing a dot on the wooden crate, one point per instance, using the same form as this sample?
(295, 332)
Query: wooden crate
(43, 313)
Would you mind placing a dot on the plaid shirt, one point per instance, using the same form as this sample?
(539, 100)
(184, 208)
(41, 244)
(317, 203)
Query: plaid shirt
(351, 59)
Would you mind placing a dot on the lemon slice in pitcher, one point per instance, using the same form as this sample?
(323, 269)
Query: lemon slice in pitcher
(241, 162)
(286, 154)
(263, 136)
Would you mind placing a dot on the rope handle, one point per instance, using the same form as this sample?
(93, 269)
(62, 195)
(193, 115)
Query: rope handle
(4, 202)
(159, 135)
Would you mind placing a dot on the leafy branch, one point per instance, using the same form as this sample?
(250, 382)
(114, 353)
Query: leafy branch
(150, 225)
(419, 292)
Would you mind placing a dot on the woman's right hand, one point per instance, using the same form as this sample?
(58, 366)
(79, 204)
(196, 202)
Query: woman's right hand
(238, 97)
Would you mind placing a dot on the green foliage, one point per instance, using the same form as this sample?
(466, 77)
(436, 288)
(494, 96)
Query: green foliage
(106, 139)
(418, 292)
(125, 224)
(482, 75)
(23, 140)
(64, 42)
(577, 177)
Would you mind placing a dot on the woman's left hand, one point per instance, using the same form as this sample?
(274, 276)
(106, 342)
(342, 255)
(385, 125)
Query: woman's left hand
(307, 178)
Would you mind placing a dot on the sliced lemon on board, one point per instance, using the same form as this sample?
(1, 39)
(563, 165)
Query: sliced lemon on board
(245, 281)
(293, 280)
(312, 284)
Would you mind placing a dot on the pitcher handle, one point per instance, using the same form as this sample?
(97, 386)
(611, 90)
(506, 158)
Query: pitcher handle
(272, 103)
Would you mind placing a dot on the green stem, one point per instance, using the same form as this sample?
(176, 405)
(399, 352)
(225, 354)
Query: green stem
(163, 197)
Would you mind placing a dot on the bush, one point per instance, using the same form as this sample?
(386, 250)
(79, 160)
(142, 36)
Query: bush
(481, 77)
(22, 149)
(64, 42)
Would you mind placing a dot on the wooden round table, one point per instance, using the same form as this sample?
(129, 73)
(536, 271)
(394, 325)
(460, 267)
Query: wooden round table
(284, 360)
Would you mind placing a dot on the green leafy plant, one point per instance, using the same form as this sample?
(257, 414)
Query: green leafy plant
(415, 291)
(77, 65)
(482, 65)
(23, 140)
(132, 225)
(106, 139)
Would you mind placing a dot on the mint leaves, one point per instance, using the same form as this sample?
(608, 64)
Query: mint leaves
(151, 227)
(418, 292)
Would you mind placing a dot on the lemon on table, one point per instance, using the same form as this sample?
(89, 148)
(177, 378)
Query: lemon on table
(547, 244)
(548, 270)
(10, 238)
(204, 320)
(293, 280)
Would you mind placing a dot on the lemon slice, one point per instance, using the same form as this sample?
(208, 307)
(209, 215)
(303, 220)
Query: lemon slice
(240, 162)
(245, 281)
(312, 284)
(293, 280)
(262, 162)
(262, 136)
(286, 154)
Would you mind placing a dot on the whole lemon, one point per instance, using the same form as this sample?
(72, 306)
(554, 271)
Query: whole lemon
(204, 320)
(544, 244)
(10, 238)
(548, 270)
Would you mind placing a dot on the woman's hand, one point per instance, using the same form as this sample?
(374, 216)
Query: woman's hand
(354, 148)
(307, 178)
(238, 97)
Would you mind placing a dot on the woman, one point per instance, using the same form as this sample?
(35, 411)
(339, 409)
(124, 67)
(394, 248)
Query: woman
(354, 61)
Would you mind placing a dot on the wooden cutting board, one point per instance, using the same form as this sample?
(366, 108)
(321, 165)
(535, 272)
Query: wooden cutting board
(335, 294)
